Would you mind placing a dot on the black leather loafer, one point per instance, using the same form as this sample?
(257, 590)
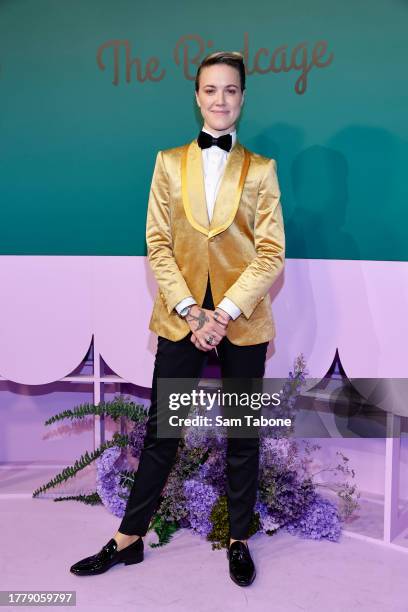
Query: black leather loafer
(241, 566)
(107, 557)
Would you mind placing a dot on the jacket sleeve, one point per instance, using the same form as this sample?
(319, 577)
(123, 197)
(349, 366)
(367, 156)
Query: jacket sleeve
(172, 285)
(257, 278)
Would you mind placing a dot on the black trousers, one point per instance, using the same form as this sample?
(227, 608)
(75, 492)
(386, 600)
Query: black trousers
(181, 359)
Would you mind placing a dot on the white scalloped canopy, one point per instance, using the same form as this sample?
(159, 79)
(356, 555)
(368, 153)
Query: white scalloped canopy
(51, 307)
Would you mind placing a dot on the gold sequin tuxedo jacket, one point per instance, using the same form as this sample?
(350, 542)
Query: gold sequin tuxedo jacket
(242, 249)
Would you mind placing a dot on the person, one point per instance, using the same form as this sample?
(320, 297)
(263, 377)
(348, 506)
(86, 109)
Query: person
(215, 236)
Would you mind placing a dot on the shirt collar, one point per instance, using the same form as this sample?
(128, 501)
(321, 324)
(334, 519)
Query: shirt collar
(233, 135)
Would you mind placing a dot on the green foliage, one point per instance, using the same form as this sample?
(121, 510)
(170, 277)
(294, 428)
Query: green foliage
(92, 499)
(84, 461)
(164, 530)
(127, 478)
(119, 407)
(219, 536)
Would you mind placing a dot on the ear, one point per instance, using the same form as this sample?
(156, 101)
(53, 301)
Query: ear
(196, 95)
(243, 97)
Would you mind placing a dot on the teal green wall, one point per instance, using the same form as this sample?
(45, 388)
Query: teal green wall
(77, 152)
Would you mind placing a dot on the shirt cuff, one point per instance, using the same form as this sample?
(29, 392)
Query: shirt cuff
(229, 307)
(186, 302)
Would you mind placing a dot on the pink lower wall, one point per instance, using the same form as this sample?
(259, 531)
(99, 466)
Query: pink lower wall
(50, 307)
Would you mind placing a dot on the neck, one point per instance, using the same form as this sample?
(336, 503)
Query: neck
(217, 133)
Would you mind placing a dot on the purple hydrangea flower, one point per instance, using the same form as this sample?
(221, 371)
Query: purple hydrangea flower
(320, 520)
(266, 521)
(200, 499)
(113, 495)
(136, 438)
(213, 471)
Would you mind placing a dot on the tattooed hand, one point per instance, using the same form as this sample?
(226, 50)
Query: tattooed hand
(205, 323)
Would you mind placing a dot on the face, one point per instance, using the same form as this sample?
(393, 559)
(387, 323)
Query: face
(220, 98)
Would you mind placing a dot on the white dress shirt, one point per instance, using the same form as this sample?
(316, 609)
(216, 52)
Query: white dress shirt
(214, 161)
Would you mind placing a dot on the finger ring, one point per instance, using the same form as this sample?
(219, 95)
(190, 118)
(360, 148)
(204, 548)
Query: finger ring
(210, 339)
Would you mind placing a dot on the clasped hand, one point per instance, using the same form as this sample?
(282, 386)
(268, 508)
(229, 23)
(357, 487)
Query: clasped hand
(207, 325)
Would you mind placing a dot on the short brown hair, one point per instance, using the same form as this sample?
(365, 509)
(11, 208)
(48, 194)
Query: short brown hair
(232, 58)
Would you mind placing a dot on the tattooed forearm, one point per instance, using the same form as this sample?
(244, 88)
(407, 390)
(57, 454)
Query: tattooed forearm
(201, 318)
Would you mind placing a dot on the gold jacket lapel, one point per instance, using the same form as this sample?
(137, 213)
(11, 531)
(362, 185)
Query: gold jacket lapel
(230, 190)
(229, 193)
(193, 188)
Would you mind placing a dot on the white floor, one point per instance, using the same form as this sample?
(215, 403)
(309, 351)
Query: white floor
(41, 538)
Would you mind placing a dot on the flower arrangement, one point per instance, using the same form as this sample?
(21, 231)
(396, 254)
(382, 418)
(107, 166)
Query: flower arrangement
(194, 494)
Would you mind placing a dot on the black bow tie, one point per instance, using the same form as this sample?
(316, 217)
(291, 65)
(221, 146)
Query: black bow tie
(206, 140)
